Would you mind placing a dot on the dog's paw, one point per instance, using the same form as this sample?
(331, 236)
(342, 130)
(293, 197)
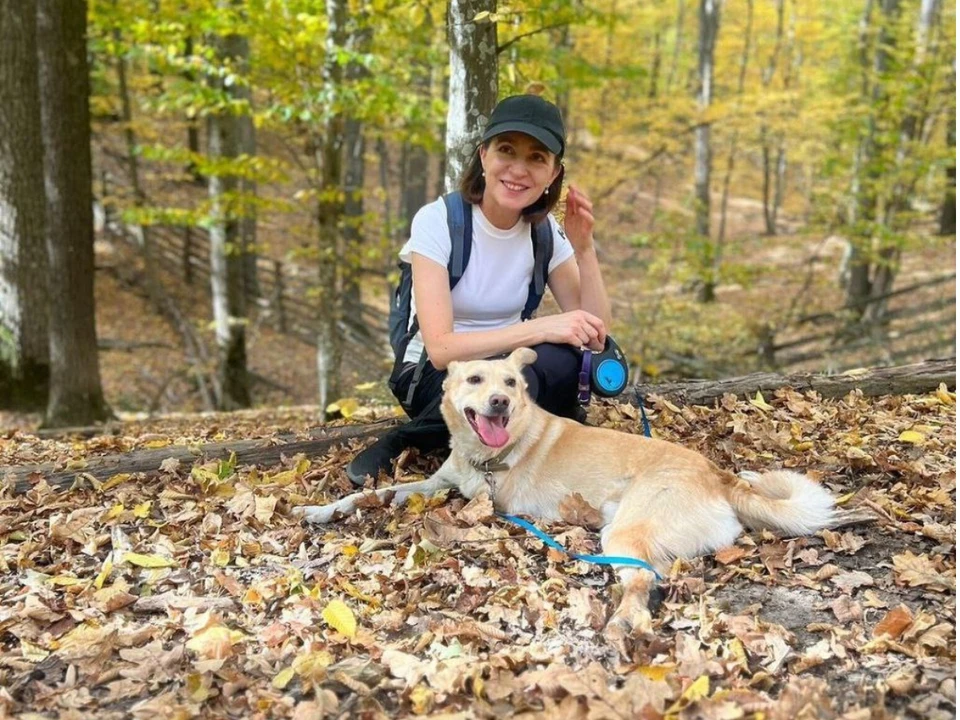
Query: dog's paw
(319, 514)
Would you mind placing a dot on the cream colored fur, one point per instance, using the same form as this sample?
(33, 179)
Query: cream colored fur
(659, 501)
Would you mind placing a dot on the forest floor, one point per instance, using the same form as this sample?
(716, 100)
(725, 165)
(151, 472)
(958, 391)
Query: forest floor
(439, 609)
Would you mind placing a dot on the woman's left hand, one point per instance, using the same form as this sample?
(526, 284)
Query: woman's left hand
(578, 220)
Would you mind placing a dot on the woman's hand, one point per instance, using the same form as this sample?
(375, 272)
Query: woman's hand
(578, 221)
(577, 328)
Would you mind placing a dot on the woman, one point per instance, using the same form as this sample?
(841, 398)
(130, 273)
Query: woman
(513, 180)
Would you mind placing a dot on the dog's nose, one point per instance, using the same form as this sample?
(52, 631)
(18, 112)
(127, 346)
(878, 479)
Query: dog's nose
(499, 403)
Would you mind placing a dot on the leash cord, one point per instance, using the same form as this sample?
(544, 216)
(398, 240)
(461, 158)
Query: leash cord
(595, 559)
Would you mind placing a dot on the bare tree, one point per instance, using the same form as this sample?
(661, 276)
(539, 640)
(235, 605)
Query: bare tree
(473, 80)
(24, 350)
(709, 26)
(76, 395)
(224, 143)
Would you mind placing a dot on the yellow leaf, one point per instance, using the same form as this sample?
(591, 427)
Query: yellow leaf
(699, 688)
(759, 402)
(363, 387)
(220, 557)
(159, 443)
(656, 672)
(64, 580)
(282, 678)
(945, 396)
(198, 687)
(911, 436)
(115, 480)
(104, 573)
(313, 666)
(31, 652)
(340, 617)
(143, 509)
(115, 511)
(348, 407)
(349, 550)
(148, 561)
(213, 643)
(421, 700)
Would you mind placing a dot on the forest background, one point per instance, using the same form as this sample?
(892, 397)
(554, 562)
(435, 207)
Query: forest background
(774, 183)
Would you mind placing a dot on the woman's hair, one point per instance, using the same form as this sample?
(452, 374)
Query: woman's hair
(472, 184)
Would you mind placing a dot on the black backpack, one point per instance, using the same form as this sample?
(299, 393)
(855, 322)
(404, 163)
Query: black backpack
(460, 224)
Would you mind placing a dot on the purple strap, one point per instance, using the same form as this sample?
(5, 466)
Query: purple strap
(583, 389)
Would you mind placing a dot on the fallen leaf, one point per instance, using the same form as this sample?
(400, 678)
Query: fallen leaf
(340, 617)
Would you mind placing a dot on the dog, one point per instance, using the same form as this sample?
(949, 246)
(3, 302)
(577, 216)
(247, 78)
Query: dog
(658, 500)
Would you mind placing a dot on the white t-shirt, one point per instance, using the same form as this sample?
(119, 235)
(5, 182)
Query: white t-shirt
(494, 287)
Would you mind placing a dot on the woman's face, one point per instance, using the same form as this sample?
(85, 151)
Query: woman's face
(517, 169)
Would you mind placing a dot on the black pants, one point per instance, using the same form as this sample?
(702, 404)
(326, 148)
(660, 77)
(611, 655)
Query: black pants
(551, 382)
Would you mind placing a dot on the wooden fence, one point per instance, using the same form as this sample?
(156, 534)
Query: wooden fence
(918, 322)
(282, 295)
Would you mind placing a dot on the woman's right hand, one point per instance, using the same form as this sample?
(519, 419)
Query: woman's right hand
(577, 327)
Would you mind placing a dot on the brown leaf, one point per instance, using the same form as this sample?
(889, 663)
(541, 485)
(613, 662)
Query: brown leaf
(846, 609)
(477, 511)
(850, 581)
(574, 509)
(894, 622)
(916, 570)
(732, 554)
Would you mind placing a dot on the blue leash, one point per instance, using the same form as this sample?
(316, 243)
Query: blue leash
(595, 559)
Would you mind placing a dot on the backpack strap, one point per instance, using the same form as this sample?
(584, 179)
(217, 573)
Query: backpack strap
(460, 224)
(542, 235)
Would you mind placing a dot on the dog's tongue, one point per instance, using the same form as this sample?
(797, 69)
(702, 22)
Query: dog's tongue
(491, 431)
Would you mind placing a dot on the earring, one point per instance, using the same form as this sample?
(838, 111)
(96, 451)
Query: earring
(546, 190)
(483, 174)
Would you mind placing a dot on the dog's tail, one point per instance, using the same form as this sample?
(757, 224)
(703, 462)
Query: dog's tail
(782, 500)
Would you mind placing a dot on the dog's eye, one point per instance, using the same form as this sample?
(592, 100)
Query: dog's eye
(474, 379)
(511, 382)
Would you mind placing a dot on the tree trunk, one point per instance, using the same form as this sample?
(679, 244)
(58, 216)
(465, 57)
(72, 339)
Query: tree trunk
(948, 212)
(226, 258)
(769, 218)
(709, 25)
(24, 348)
(330, 214)
(869, 268)
(731, 155)
(76, 395)
(141, 232)
(899, 380)
(354, 170)
(193, 129)
(473, 82)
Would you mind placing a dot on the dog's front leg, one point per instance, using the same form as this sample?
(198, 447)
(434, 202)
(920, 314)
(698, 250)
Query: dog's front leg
(323, 514)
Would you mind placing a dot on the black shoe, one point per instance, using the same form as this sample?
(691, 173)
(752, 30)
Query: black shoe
(377, 457)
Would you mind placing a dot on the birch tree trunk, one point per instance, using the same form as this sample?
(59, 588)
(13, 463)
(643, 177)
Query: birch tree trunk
(76, 395)
(709, 25)
(330, 214)
(24, 349)
(473, 82)
(232, 386)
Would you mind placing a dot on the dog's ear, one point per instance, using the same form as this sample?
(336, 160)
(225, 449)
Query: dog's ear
(452, 368)
(522, 357)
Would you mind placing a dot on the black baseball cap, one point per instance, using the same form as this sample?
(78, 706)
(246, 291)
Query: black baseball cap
(529, 114)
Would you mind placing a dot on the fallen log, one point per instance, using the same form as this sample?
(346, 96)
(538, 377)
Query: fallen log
(265, 451)
(898, 380)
